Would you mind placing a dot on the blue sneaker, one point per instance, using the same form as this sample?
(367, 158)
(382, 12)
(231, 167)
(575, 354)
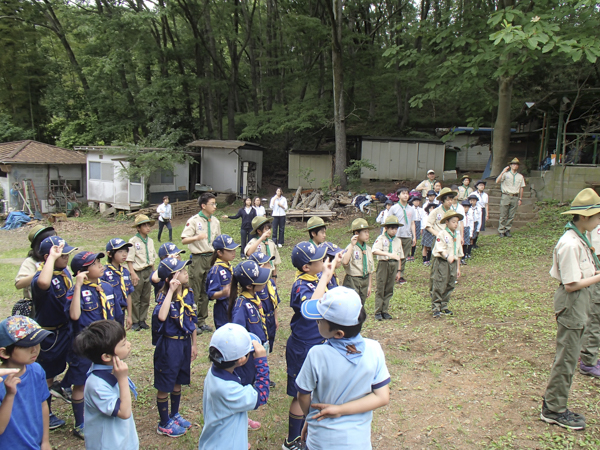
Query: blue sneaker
(171, 429)
(78, 432)
(55, 422)
(181, 421)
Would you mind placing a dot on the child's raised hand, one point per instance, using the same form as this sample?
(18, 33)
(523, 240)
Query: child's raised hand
(10, 383)
(267, 234)
(81, 277)
(326, 411)
(354, 239)
(174, 283)
(4, 372)
(120, 369)
(56, 251)
(259, 350)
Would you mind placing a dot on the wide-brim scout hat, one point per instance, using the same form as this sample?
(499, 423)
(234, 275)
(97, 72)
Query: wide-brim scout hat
(249, 273)
(141, 219)
(466, 203)
(35, 231)
(117, 244)
(315, 222)
(306, 253)
(257, 222)
(586, 203)
(466, 177)
(169, 266)
(360, 224)
(340, 305)
(515, 161)
(233, 342)
(47, 244)
(392, 220)
(224, 242)
(473, 197)
(446, 192)
(450, 214)
(168, 248)
(84, 259)
(22, 331)
(480, 182)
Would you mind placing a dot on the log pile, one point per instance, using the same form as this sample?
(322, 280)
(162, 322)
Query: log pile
(184, 208)
(317, 203)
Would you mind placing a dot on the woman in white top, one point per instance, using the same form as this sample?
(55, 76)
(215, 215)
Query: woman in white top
(278, 207)
(482, 202)
(164, 219)
(260, 209)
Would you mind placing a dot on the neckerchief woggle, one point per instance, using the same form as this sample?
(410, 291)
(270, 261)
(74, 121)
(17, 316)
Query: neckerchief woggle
(350, 348)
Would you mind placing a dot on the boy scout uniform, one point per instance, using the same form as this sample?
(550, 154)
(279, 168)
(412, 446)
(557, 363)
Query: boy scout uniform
(510, 185)
(267, 247)
(465, 191)
(444, 273)
(386, 267)
(361, 264)
(201, 254)
(142, 256)
(435, 216)
(425, 186)
(572, 261)
(591, 335)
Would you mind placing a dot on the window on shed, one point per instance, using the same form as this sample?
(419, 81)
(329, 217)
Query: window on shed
(162, 177)
(108, 172)
(95, 171)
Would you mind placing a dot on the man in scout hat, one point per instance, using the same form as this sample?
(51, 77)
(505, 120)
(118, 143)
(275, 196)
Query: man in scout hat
(316, 228)
(358, 260)
(575, 266)
(465, 189)
(589, 364)
(261, 225)
(511, 184)
(140, 261)
(427, 185)
(198, 234)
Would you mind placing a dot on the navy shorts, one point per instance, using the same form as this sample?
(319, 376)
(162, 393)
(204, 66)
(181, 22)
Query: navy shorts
(295, 354)
(220, 313)
(53, 352)
(172, 361)
(78, 369)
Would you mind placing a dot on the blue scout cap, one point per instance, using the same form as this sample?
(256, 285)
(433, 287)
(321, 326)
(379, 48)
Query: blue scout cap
(331, 249)
(51, 241)
(83, 259)
(117, 244)
(21, 330)
(431, 192)
(224, 242)
(168, 248)
(388, 202)
(169, 266)
(305, 253)
(250, 273)
(473, 197)
(260, 257)
(339, 305)
(233, 341)
(466, 203)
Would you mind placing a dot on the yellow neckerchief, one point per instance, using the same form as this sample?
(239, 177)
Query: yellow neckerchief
(306, 277)
(258, 304)
(224, 264)
(120, 273)
(183, 306)
(272, 293)
(107, 311)
(68, 282)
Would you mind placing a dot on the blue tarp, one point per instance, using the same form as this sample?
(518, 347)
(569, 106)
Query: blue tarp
(15, 219)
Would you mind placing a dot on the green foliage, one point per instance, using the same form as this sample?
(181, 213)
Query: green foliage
(354, 170)
(306, 175)
(11, 132)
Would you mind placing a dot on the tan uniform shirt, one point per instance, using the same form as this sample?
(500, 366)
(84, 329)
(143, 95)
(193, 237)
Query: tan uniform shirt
(355, 265)
(262, 247)
(594, 238)
(196, 225)
(444, 245)
(28, 268)
(512, 183)
(572, 259)
(425, 186)
(137, 253)
(382, 244)
(464, 192)
(433, 220)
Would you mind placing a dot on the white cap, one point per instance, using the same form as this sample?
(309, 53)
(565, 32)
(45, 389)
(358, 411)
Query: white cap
(233, 341)
(340, 305)
(430, 171)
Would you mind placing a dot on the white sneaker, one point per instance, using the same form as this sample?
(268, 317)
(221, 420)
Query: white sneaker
(279, 245)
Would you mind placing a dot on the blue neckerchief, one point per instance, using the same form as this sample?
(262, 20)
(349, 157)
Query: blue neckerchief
(102, 371)
(225, 375)
(342, 346)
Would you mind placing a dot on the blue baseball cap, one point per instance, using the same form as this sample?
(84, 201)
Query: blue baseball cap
(331, 248)
(431, 192)
(224, 242)
(168, 248)
(169, 266)
(339, 305)
(21, 330)
(51, 241)
(250, 273)
(117, 244)
(305, 253)
(260, 257)
(83, 259)
(233, 341)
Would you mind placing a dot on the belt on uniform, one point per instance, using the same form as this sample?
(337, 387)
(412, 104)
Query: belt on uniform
(187, 336)
(54, 328)
(510, 195)
(271, 314)
(202, 254)
(362, 277)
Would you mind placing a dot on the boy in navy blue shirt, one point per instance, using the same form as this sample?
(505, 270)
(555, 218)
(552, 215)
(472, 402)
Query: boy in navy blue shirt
(344, 380)
(109, 421)
(91, 299)
(218, 279)
(49, 289)
(308, 259)
(23, 407)
(117, 275)
(226, 401)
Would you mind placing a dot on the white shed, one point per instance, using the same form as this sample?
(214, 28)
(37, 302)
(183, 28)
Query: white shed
(475, 148)
(401, 158)
(230, 166)
(309, 169)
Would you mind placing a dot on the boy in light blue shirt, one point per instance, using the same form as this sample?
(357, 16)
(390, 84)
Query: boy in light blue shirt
(342, 381)
(225, 401)
(109, 422)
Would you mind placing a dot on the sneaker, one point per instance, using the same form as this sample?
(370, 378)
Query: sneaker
(447, 312)
(59, 392)
(508, 234)
(463, 262)
(279, 245)
(296, 444)
(143, 325)
(253, 425)
(204, 328)
(567, 419)
(401, 281)
(386, 316)
(378, 317)
(502, 235)
(135, 327)
(272, 384)
(437, 314)
(55, 422)
(591, 371)
(181, 421)
(78, 432)
(171, 429)
(427, 263)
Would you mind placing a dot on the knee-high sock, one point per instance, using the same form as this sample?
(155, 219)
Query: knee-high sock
(163, 409)
(175, 399)
(49, 401)
(464, 250)
(412, 251)
(78, 406)
(295, 426)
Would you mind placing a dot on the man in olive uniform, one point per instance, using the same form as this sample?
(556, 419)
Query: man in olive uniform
(589, 364)
(511, 184)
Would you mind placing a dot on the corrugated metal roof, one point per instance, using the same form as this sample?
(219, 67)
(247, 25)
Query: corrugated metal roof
(228, 144)
(33, 152)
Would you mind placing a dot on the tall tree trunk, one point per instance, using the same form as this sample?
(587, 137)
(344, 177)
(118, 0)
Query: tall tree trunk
(501, 141)
(338, 93)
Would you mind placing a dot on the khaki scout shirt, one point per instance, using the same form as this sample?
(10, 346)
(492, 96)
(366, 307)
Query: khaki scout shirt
(433, 220)
(511, 183)
(28, 268)
(354, 267)
(137, 253)
(464, 192)
(263, 248)
(594, 238)
(572, 259)
(425, 186)
(382, 243)
(196, 225)
(444, 245)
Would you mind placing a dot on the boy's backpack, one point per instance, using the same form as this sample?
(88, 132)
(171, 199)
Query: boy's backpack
(381, 197)
(393, 197)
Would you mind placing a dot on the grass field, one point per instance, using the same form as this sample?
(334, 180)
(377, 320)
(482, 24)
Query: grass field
(474, 380)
